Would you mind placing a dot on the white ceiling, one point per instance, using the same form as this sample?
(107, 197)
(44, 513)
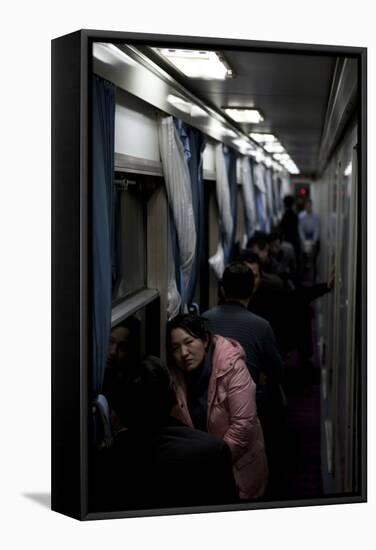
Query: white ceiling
(291, 91)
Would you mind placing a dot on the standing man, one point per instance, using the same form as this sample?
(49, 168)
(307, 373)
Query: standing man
(289, 225)
(309, 232)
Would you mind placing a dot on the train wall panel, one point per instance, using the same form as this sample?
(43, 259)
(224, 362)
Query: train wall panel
(136, 130)
(334, 195)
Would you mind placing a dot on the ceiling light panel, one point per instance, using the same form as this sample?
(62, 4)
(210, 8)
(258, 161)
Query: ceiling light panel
(198, 64)
(263, 138)
(281, 156)
(274, 147)
(244, 115)
(290, 166)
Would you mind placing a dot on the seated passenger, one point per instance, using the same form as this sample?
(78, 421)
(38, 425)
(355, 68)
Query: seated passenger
(216, 393)
(123, 357)
(158, 461)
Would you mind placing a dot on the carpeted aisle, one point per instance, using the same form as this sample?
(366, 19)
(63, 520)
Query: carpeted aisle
(301, 456)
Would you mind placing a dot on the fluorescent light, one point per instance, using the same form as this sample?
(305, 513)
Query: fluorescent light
(263, 138)
(274, 148)
(243, 145)
(244, 115)
(180, 103)
(281, 156)
(185, 106)
(348, 170)
(260, 157)
(216, 126)
(196, 111)
(290, 166)
(268, 161)
(229, 133)
(198, 64)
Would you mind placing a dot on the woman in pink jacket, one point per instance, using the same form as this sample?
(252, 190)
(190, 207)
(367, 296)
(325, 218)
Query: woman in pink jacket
(216, 393)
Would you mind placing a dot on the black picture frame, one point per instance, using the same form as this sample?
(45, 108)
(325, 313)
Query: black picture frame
(71, 72)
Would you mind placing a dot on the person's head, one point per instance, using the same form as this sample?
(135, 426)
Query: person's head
(237, 282)
(288, 202)
(124, 343)
(308, 205)
(258, 244)
(187, 341)
(253, 262)
(147, 398)
(274, 240)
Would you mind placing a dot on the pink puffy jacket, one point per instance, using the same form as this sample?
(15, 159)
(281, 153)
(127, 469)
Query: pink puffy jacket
(232, 414)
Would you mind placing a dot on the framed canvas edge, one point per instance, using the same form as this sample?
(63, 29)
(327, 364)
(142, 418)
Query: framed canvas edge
(87, 37)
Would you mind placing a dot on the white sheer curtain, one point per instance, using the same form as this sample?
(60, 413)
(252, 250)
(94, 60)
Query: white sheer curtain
(248, 193)
(179, 194)
(286, 186)
(217, 261)
(259, 181)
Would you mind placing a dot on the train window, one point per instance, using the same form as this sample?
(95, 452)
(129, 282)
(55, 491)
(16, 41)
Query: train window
(145, 308)
(130, 234)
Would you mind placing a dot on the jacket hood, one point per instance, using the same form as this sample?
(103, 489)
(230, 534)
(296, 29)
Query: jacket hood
(226, 352)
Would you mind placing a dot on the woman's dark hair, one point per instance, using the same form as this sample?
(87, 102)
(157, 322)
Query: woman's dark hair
(191, 323)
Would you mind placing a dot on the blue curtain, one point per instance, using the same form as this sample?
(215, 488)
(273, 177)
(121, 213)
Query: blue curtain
(279, 197)
(182, 131)
(117, 256)
(184, 137)
(250, 229)
(103, 117)
(176, 255)
(269, 190)
(230, 162)
(193, 142)
(260, 210)
(197, 143)
(275, 198)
